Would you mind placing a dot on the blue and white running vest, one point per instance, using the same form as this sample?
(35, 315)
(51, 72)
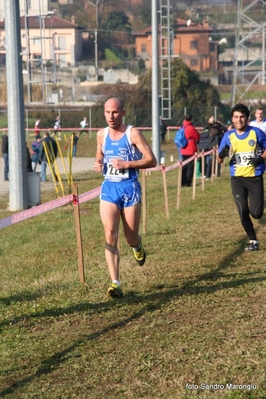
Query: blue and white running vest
(122, 149)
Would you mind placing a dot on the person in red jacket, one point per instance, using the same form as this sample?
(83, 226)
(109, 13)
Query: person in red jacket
(192, 136)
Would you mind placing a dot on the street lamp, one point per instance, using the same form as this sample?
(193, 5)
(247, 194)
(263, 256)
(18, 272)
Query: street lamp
(53, 54)
(96, 53)
(96, 5)
(96, 38)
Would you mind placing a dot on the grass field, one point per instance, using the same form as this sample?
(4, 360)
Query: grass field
(193, 316)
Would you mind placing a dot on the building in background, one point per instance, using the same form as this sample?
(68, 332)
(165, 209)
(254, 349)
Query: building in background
(191, 42)
(35, 7)
(47, 38)
(65, 1)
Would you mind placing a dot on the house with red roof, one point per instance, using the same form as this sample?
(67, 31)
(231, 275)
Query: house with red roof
(190, 41)
(47, 38)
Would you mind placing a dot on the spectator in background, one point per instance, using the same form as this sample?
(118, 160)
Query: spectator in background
(163, 130)
(192, 136)
(75, 139)
(5, 155)
(83, 125)
(28, 159)
(37, 127)
(206, 145)
(216, 132)
(260, 121)
(230, 126)
(57, 127)
(35, 152)
(49, 146)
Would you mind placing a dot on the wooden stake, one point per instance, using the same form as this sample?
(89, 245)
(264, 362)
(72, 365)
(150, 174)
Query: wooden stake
(144, 202)
(165, 192)
(78, 233)
(179, 183)
(216, 162)
(213, 160)
(202, 171)
(194, 177)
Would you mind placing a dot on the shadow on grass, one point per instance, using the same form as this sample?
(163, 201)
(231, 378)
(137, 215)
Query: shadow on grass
(151, 302)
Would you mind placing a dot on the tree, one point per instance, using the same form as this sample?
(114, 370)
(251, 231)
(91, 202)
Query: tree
(144, 9)
(117, 28)
(117, 21)
(189, 91)
(192, 92)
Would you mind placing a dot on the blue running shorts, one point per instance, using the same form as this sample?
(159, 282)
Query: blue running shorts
(123, 194)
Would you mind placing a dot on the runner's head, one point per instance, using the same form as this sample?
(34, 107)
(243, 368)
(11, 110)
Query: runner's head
(114, 112)
(240, 108)
(240, 115)
(259, 115)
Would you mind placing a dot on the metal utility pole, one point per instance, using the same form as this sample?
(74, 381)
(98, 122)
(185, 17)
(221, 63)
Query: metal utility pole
(28, 51)
(155, 85)
(96, 40)
(96, 54)
(165, 58)
(98, 18)
(18, 196)
(253, 70)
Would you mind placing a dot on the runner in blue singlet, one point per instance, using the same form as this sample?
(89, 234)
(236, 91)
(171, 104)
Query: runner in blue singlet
(121, 151)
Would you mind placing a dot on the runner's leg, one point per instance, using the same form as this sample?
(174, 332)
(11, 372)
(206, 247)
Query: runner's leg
(131, 220)
(110, 216)
(256, 196)
(240, 194)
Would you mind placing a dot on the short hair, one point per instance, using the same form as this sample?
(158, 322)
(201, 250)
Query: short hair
(118, 100)
(46, 134)
(188, 117)
(240, 108)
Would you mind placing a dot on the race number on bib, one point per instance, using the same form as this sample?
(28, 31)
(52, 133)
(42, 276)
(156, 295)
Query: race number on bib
(243, 158)
(116, 174)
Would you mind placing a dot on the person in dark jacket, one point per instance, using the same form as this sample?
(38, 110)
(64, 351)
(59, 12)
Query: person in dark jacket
(206, 145)
(48, 154)
(216, 132)
(163, 130)
(35, 152)
(75, 140)
(28, 159)
(5, 155)
(192, 136)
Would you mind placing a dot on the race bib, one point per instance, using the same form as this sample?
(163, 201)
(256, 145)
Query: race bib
(243, 158)
(116, 174)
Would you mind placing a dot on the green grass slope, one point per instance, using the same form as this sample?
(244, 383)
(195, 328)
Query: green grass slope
(193, 314)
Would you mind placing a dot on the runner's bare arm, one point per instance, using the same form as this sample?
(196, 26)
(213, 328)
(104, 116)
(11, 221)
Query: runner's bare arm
(99, 154)
(148, 160)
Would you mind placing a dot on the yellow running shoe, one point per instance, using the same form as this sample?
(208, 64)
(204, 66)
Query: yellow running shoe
(140, 255)
(115, 291)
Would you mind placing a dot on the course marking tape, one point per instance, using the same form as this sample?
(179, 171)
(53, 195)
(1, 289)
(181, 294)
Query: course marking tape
(85, 197)
(171, 167)
(48, 206)
(36, 210)
(89, 195)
